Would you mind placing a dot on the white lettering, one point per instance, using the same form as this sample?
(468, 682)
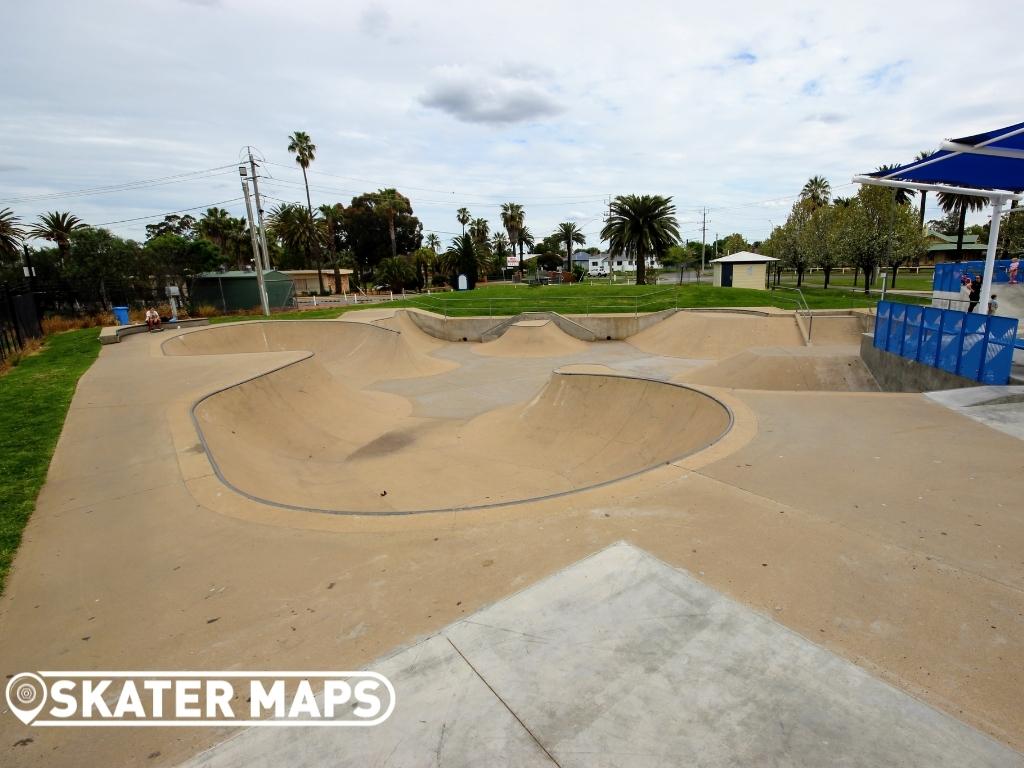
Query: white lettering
(187, 692)
(371, 700)
(218, 696)
(92, 698)
(336, 693)
(260, 699)
(157, 688)
(129, 701)
(61, 692)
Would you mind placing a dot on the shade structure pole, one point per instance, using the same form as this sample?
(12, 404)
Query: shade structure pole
(990, 255)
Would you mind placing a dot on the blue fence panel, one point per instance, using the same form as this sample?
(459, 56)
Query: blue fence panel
(882, 323)
(1002, 331)
(972, 349)
(931, 327)
(974, 346)
(898, 316)
(950, 339)
(912, 331)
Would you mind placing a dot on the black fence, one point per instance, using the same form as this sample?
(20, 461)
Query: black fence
(19, 319)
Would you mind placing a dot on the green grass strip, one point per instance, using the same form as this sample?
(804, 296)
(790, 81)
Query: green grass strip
(34, 400)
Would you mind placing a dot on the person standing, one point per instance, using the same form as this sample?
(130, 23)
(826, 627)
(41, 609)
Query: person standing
(1012, 271)
(975, 295)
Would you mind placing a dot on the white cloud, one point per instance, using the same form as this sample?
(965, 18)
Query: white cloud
(555, 102)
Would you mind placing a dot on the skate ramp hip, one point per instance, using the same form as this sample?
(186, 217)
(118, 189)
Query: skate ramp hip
(716, 335)
(823, 369)
(839, 329)
(532, 338)
(303, 437)
(364, 352)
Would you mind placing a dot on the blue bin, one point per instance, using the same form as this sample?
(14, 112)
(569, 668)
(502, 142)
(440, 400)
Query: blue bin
(121, 313)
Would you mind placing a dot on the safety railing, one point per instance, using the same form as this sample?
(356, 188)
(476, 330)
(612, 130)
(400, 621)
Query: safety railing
(801, 306)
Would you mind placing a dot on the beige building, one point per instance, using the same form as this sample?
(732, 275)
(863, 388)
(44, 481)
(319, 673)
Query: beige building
(742, 270)
(307, 283)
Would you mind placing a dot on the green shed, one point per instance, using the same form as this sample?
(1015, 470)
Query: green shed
(231, 291)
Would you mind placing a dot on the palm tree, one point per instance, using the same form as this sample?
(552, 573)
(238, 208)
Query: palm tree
(462, 258)
(570, 234)
(949, 202)
(902, 195)
(433, 242)
(297, 230)
(392, 203)
(11, 234)
(214, 225)
(331, 218)
(525, 241)
(300, 145)
(512, 221)
(395, 272)
(500, 247)
(480, 231)
(463, 217)
(57, 227)
(817, 190)
(641, 226)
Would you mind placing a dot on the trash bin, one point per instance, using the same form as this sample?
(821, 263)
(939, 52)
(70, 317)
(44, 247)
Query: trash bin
(121, 314)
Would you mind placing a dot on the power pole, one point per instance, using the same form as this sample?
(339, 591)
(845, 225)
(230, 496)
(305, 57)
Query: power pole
(257, 259)
(259, 211)
(703, 239)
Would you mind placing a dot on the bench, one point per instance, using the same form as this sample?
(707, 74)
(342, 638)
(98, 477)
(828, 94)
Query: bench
(112, 334)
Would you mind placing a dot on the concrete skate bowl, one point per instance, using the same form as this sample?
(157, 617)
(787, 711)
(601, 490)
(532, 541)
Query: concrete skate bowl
(794, 369)
(532, 338)
(311, 435)
(717, 335)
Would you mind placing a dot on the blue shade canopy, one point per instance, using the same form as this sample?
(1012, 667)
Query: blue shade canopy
(992, 160)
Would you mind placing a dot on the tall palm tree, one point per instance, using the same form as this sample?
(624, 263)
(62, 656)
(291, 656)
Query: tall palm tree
(331, 219)
(300, 145)
(463, 258)
(817, 190)
(463, 217)
(393, 204)
(950, 202)
(11, 234)
(641, 226)
(570, 234)
(512, 220)
(433, 242)
(57, 227)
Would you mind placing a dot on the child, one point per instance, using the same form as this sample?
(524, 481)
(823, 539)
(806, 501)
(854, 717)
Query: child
(993, 305)
(152, 320)
(1014, 265)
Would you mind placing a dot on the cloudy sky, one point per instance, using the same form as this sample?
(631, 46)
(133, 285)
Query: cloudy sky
(556, 105)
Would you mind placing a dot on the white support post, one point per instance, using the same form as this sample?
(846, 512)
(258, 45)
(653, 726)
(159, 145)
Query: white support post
(990, 256)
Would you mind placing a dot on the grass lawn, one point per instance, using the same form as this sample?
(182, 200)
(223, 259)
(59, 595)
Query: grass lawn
(34, 399)
(583, 299)
(905, 280)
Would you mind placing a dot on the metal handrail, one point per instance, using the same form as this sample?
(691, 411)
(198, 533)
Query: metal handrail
(801, 301)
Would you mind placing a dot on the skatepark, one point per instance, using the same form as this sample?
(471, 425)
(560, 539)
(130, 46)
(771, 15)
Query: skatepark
(556, 548)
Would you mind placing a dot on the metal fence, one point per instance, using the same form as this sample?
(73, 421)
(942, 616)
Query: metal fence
(18, 320)
(978, 347)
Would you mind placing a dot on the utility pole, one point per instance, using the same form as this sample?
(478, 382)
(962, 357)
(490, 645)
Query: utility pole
(259, 211)
(257, 259)
(703, 239)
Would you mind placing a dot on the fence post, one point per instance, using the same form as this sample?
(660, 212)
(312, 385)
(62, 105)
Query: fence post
(15, 323)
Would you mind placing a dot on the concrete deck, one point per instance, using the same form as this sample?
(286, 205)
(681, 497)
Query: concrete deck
(621, 660)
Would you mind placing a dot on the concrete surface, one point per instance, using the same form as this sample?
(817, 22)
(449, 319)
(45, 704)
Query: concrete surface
(622, 660)
(882, 527)
(1001, 408)
(817, 368)
(112, 334)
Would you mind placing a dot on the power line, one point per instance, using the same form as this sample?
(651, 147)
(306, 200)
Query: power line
(167, 213)
(124, 186)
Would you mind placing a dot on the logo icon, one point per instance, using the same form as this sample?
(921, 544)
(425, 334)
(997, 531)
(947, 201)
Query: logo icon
(26, 696)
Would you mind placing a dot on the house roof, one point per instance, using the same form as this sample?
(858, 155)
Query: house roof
(743, 257)
(951, 238)
(313, 272)
(243, 274)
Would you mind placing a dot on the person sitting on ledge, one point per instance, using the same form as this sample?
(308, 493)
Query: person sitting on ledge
(153, 319)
